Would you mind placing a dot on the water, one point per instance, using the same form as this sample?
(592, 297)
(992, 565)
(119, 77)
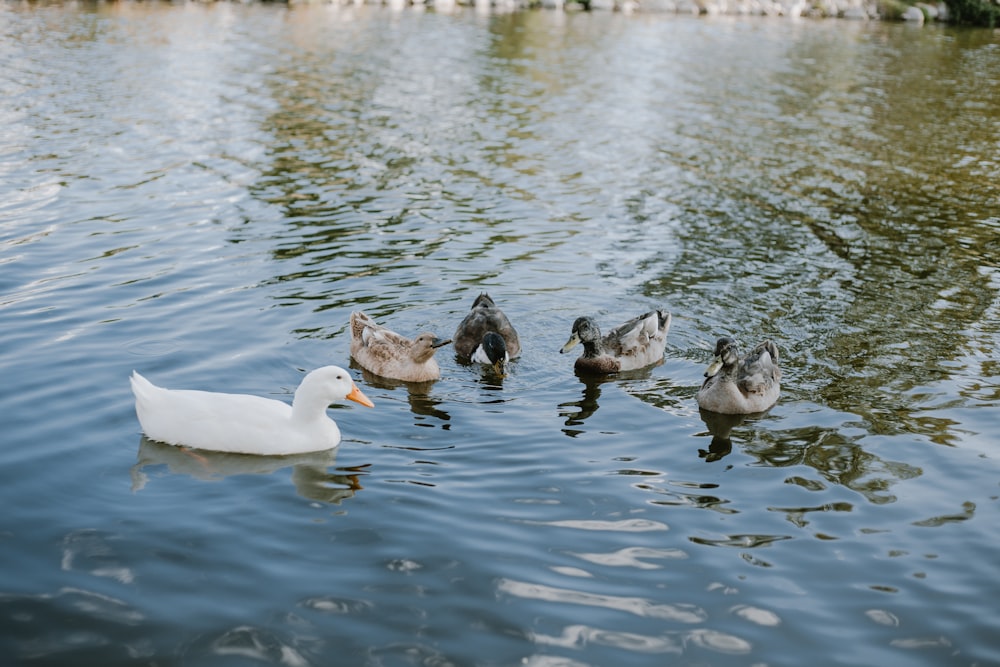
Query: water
(205, 192)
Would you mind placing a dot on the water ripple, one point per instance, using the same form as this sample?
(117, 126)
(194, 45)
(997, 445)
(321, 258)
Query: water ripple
(678, 613)
(633, 557)
(622, 526)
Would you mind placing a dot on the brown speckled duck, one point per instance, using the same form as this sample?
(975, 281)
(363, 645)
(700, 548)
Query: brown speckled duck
(737, 385)
(385, 352)
(635, 344)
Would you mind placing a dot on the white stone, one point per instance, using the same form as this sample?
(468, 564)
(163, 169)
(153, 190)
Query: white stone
(914, 15)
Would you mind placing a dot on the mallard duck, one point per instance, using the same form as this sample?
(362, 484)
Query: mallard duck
(385, 352)
(635, 344)
(737, 385)
(247, 424)
(486, 336)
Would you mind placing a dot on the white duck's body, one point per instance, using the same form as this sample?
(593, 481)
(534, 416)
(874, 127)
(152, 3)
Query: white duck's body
(638, 343)
(384, 352)
(246, 424)
(737, 385)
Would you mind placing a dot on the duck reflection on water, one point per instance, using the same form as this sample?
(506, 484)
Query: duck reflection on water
(585, 407)
(418, 394)
(721, 426)
(588, 403)
(311, 473)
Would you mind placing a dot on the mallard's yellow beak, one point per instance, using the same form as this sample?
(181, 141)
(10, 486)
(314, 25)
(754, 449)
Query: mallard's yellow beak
(358, 397)
(570, 344)
(714, 367)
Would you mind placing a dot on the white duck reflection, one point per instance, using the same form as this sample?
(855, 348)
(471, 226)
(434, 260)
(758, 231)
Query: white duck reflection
(311, 473)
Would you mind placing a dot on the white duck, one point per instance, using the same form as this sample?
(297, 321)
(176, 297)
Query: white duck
(247, 424)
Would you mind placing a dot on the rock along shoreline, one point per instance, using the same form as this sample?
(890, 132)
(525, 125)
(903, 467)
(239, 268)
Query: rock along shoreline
(860, 10)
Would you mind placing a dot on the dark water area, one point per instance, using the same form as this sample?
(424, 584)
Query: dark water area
(204, 193)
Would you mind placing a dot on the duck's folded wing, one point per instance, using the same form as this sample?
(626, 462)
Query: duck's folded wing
(390, 337)
(206, 420)
(754, 383)
(361, 325)
(371, 334)
(760, 369)
(470, 332)
(634, 336)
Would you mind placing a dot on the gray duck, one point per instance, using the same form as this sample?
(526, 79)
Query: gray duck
(736, 385)
(635, 344)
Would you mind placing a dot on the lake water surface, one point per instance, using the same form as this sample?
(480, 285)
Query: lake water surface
(204, 193)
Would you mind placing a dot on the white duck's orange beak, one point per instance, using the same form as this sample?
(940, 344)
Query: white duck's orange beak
(358, 397)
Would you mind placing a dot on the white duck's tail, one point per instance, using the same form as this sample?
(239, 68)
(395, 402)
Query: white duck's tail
(144, 392)
(141, 386)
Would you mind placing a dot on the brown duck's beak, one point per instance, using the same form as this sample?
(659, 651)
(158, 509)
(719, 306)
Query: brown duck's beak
(358, 397)
(440, 342)
(570, 344)
(714, 367)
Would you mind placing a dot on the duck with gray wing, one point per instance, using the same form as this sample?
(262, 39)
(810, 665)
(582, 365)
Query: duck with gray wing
(391, 355)
(741, 385)
(486, 336)
(635, 344)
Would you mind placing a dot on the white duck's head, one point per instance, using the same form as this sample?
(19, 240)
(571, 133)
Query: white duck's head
(327, 385)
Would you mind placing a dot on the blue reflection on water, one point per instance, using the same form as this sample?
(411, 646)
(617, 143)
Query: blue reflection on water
(205, 193)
